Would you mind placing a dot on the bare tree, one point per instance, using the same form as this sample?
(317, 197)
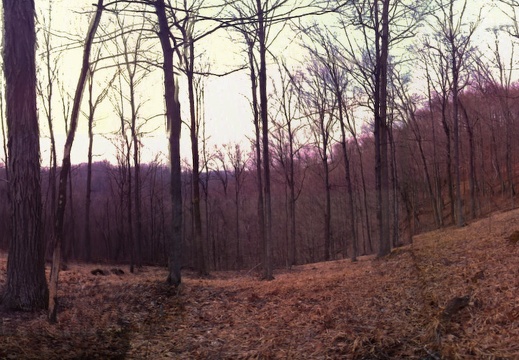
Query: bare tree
(454, 37)
(93, 103)
(408, 107)
(186, 27)
(174, 124)
(239, 164)
(320, 106)
(46, 92)
(287, 126)
(383, 24)
(326, 52)
(65, 167)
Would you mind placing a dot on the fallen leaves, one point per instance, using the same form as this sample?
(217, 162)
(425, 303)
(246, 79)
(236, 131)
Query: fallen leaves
(375, 308)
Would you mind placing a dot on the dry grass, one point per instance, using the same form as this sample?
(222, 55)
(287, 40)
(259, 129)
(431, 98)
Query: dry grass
(408, 305)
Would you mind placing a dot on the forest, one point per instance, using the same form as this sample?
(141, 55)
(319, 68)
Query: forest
(371, 122)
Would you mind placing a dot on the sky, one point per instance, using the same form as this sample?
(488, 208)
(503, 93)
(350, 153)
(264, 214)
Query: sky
(226, 101)
(227, 107)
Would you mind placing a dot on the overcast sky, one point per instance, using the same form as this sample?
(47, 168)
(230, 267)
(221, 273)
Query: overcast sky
(227, 113)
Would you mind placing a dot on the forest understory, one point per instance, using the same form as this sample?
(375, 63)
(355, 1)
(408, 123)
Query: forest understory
(452, 294)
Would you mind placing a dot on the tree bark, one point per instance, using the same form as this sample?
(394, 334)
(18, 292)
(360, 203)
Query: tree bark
(26, 287)
(174, 123)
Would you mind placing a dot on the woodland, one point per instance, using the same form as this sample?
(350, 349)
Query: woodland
(376, 152)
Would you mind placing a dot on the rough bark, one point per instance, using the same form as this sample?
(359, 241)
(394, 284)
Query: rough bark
(26, 287)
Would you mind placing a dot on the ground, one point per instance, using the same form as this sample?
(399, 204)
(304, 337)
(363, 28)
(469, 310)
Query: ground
(452, 294)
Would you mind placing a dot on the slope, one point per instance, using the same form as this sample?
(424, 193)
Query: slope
(452, 294)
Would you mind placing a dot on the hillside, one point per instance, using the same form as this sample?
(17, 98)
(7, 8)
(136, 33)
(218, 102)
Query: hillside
(452, 294)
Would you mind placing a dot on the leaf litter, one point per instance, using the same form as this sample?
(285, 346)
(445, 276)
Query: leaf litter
(452, 294)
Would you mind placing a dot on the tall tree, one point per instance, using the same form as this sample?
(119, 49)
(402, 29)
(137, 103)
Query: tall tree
(93, 103)
(186, 28)
(46, 92)
(381, 126)
(383, 24)
(320, 105)
(26, 287)
(454, 36)
(174, 124)
(327, 53)
(287, 127)
(238, 162)
(66, 164)
(263, 22)
(408, 108)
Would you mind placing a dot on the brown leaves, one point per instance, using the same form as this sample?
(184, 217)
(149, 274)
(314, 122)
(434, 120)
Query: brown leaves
(377, 309)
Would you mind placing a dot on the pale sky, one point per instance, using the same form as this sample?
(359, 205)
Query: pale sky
(227, 113)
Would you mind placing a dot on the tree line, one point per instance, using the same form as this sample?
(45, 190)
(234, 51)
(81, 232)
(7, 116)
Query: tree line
(348, 156)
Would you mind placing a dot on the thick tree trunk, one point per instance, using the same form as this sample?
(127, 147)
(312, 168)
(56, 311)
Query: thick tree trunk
(26, 287)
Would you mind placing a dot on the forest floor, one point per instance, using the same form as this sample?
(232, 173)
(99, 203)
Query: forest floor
(453, 294)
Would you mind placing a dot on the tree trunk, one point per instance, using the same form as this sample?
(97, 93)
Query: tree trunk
(455, 118)
(26, 287)
(291, 200)
(472, 160)
(88, 197)
(381, 131)
(448, 164)
(327, 211)
(349, 186)
(438, 198)
(174, 123)
(65, 167)
(364, 198)
(267, 246)
(197, 219)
